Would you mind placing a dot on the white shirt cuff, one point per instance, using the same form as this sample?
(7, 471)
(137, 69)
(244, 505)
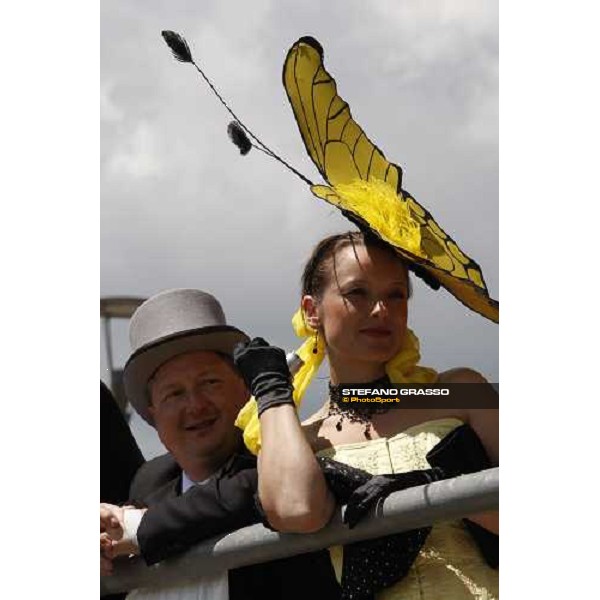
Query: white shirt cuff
(132, 518)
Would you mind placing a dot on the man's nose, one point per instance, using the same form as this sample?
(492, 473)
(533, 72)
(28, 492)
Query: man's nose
(197, 400)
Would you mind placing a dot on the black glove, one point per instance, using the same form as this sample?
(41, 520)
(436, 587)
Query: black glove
(266, 373)
(342, 479)
(460, 452)
(381, 486)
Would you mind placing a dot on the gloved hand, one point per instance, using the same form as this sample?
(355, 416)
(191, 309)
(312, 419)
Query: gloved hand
(266, 373)
(381, 486)
(460, 452)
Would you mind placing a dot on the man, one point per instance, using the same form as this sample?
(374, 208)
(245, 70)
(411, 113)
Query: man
(180, 378)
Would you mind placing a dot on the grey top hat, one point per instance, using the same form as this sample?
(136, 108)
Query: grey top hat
(166, 325)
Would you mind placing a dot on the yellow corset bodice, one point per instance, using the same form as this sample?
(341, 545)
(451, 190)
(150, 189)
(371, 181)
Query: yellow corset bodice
(449, 566)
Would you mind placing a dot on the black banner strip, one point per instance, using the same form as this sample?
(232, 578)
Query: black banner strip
(419, 395)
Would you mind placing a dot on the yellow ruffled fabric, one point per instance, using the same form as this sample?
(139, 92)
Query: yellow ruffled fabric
(403, 368)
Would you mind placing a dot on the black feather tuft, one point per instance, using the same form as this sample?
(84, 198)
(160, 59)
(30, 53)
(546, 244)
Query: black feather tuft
(178, 45)
(238, 137)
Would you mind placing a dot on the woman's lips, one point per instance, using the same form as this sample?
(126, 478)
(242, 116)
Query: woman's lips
(378, 332)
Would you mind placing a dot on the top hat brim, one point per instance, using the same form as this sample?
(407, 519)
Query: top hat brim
(143, 364)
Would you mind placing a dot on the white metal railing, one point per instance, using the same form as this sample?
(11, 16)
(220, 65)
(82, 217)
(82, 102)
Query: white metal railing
(401, 511)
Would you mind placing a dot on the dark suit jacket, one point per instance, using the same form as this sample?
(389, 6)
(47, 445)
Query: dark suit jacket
(174, 522)
(120, 456)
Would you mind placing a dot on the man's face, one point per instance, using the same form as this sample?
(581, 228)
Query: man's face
(195, 399)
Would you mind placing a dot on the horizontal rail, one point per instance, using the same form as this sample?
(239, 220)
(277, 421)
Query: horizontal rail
(401, 511)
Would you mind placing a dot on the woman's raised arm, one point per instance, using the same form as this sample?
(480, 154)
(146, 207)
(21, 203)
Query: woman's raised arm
(291, 485)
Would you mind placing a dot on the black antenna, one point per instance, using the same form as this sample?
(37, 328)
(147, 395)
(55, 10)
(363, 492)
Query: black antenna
(181, 51)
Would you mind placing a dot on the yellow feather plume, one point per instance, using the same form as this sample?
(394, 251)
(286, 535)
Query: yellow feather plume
(385, 211)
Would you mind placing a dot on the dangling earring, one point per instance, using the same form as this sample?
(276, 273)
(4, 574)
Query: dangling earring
(315, 347)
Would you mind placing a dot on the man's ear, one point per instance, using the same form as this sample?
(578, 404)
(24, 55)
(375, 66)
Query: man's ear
(310, 309)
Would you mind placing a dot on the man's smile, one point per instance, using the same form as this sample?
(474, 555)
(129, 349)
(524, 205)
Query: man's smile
(201, 426)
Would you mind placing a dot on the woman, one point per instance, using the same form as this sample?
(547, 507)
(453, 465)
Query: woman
(355, 303)
(355, 292)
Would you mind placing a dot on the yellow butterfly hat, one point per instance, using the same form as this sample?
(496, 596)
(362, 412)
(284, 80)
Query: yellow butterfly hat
(368, 188)
(363, 184)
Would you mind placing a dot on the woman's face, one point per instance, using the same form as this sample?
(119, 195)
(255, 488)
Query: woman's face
(362, 311)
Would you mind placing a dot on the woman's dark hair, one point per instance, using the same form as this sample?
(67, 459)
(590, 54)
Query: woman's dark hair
(317, 268)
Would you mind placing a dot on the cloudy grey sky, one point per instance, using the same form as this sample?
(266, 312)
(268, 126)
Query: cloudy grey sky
(182, 208)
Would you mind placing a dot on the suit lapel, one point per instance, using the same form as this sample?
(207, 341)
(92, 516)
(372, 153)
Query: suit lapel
(170, 489)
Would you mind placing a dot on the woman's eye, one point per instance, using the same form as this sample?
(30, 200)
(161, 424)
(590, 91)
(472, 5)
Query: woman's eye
(356, 292)
(398, 295)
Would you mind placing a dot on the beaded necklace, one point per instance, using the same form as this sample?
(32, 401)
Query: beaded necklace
(355, 413)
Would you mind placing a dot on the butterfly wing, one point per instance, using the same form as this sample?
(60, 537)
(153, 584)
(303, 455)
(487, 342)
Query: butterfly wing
(337, 145)
(343, 153)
